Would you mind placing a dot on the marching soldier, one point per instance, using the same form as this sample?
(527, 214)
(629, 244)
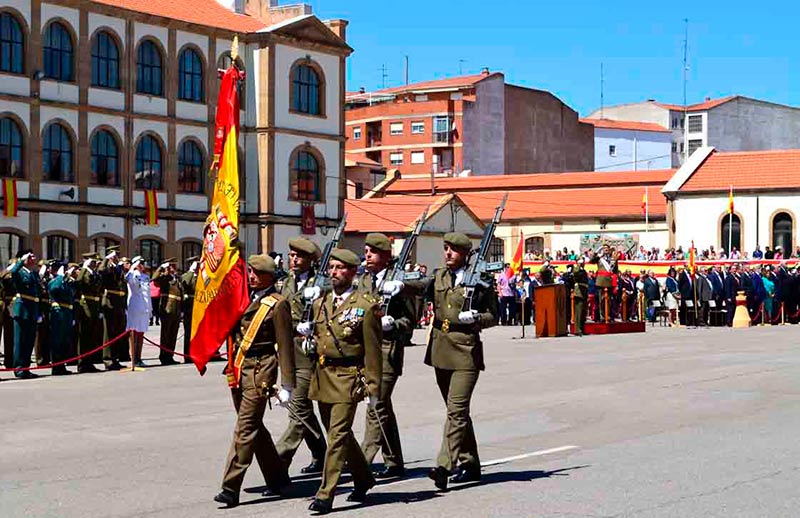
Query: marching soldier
(89, 287)
(580, 292)
(25, 311)
(7, 286)
(170, 306)
(398, 326)
(265, 329)
(302, 255)
(61, 293)
(455, 351)
(188, 283)
(347, 332)
(114, 304)
(606, 268)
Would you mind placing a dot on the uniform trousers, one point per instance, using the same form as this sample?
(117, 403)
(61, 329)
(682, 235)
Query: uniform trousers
(170, 323)
(458, 442)
(383, 415)
(187, 334)
(7, 324)
(114, 321)
(250, 437)
(296, 432)
(24, 338)
(342, 447)
(580, 315)
(60, 334)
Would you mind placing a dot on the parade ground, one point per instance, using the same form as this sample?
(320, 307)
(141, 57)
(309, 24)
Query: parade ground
(672, 423)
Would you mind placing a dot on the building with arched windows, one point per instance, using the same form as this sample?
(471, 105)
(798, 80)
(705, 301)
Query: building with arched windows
(102, 99)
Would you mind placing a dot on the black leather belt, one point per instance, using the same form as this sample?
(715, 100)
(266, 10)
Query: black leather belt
(449, 327)
(257, 352)
(347, 361)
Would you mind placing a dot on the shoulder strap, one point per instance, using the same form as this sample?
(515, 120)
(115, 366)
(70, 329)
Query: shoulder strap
(264, 309)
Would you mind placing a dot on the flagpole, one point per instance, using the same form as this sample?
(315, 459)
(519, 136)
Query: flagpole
(730, 224)
(646, 211)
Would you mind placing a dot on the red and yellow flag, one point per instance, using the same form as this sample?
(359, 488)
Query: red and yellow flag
(730, 201)
(692, 259)
(221, 290)
(644, 202)
(10, 203)
(150, 207)
(516, 261)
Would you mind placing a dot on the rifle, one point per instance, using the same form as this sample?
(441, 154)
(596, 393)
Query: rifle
(397, 272)
(479, 266)
(319, 280)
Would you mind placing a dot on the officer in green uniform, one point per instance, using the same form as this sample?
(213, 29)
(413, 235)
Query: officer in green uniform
(114, 304)
(61, 294)
(398, 326)
(170, 306)
(25, 311)
(265, 330)
(89, 288)
(41, 346)
(455, 351)
(580, 291)
(7, 286)
(188, 284)
(347, 332)
(302, 255)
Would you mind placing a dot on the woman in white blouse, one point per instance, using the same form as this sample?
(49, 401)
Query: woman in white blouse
(140, 309)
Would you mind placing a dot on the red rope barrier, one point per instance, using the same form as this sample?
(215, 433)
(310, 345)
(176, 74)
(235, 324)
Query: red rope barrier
(171, 351)
(755, 318)
(64, 362)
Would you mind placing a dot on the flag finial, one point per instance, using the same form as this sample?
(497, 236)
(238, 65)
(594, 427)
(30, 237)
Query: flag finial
(235, 48)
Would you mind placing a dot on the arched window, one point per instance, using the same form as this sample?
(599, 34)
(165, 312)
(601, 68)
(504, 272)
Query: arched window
(105, 159)
(99, 245)
(497, 250)
(151, 252)
(105, 61)
(10, 244)
(190, 76)
(148, 163)
(190, 249)
(782, 231)
(306, 86)
(190, 167)
(58, 54)
(60, 247)
(149, 71)
(57, 154)
(534, 245)
(726, 234)
(305, 178)
(225, 63)
(12, 44)
(10, 148)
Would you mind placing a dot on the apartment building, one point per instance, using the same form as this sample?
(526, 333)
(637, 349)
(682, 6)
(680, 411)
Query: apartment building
(630, 145)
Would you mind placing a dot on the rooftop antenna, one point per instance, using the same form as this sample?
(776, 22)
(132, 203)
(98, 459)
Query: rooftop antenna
(384, 75)
(685, 78)
(460, 69)
(602, 98)
(405, 70)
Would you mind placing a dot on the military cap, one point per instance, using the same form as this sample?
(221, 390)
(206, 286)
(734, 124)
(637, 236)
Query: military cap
(73, 265)
(40, 262)
(170, 260)
(90, 255)
(346, 256)
(124, 260)
(192, 259)
(379, 241)
(112, 248)
(458, 240)
(261, 263)
(54, 262)
(302, 244)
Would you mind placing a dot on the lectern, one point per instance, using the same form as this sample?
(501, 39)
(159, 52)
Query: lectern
(551, 310)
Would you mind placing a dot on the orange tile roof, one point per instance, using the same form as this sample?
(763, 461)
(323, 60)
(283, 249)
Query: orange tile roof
(397, 214)
(201, 12)
(359, 159)
(707, 105)
(746, 170)
(533, 181)
(626, 125)
(447, 83)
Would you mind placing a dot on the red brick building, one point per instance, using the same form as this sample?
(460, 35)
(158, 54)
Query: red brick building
(476, 123)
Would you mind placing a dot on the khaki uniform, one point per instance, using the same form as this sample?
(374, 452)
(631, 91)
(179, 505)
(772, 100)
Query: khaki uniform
(113, 306)
(188, 283)
(455, 351)
(580, 292)
(259, 375)
(89, 289)
(403, 309)
(302, 406)
(7, 295)
(349, 344)
(606, 268)
(170, 307)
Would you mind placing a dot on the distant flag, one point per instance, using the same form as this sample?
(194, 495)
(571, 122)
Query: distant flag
(692, 259)
(150, 207)
(644, 202)
(516, 261)
(10, 200)
(730, 201)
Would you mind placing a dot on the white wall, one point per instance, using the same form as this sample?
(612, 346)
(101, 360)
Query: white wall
(23, 6)
(284, 145)
(634, 150)
(56, 11)
(56, 222)
(105, 225)
(21, 110)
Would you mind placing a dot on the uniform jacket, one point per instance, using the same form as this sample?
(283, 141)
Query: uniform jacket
(115, 289)
(89, 288)
(188, 285)
(606, 268)
(62, 296)
(356, 325)
(171, 298)
(456, 350)
(297, 303)
(25, 282)
(581, 280)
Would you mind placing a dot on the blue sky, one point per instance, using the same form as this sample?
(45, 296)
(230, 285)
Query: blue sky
(750, 49)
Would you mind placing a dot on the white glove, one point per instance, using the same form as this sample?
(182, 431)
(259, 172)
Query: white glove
(387, 322)
(467, 317)
(164, 266)
(87, 263)
(284, 395)
(43, 270)
(304, 328)
(111, 255)
(26, 256)
(392, 288)
(311, 293)
(71, 269)
(193, 267)
(60, 271)
(372, 401)
(39, 320)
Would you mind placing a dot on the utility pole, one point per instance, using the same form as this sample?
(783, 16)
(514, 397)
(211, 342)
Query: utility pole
(685, 78)
(405, 70)
(602, 98)
(460, 70)
(384, 75)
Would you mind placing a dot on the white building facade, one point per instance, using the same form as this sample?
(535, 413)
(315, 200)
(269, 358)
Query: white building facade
(630, 145)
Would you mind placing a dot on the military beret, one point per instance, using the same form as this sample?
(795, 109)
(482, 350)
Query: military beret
(379, 241)
(302, 244)
(346, 256)
(458, 240)
(261, 263)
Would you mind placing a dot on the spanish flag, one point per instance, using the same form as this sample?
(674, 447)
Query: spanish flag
(221, 290)
(150, 207)
(516, 261)
(10, 203)
(692, 259)
(730, 201)
(644, 202)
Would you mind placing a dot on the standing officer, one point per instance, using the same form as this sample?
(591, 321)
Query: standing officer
(7, 285)
(188, 284)
(61, 293)
(41, 346)
(114, 305)
(170, 306)
(90, 325)
(606, 269)
(398, 326)
(455, 351)
(25, 311)
(580, 291)
(347, 332)
(264, 330)
(302, 255)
